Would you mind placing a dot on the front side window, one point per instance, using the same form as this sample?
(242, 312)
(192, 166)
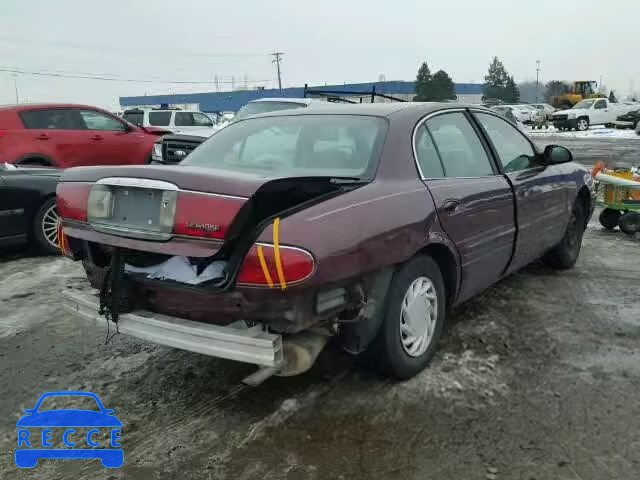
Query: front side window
(304, 145)
(99, 121)
(427, 155)
(600, 104)
(55, 119)
(461, 151)
(159, 119)
(514, 151)
(192, 119)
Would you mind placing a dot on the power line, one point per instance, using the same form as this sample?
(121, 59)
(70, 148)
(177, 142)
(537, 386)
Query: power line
(90, 76)
(277, 56)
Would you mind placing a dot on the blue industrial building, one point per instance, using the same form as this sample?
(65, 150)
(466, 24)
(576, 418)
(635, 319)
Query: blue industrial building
(234, 100)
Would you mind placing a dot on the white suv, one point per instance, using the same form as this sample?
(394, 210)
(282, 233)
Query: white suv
(177, 121)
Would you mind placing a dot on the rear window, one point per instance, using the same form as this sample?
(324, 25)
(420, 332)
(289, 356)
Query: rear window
(192, 119)
(265, 107)
(159, 119)
(56, 119)
(297, 145)
(134, 117)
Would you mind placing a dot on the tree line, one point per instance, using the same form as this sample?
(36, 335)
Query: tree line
(498, 85)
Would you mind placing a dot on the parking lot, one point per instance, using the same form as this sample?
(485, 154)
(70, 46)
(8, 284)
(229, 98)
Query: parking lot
(537, 378)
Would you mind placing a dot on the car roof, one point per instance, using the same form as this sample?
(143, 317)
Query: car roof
(40, 106)
(305, 101)
(372, 109)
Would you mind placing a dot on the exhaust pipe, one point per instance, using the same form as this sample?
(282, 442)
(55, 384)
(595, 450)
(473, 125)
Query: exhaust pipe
(300, 352)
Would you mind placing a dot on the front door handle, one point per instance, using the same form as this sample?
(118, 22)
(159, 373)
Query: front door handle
(450, 206)
(43, 136)
(96, 137)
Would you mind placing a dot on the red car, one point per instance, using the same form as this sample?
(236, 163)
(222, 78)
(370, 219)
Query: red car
(364, 222)
(65, 135)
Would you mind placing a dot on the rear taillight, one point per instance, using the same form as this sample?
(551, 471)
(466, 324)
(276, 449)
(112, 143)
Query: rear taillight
(203, 215)
(260, 266)
(72, 200)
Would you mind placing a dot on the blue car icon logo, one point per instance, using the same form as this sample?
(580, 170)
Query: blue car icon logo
(67, 425)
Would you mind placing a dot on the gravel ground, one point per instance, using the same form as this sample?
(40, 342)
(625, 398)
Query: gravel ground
(537, 378)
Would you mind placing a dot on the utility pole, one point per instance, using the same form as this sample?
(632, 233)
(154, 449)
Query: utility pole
(277, 56)
(537, 78)
(15, 85)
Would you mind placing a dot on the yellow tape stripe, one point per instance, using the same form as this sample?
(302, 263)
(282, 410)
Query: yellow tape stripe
(276, 248)
(265, 269)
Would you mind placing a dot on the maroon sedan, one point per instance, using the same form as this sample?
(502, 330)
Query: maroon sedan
(366, 223)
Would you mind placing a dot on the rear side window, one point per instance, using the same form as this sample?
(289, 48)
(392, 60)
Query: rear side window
(159, 119)
(461, 151)
(134, 117)
(192, 119)
(427, 155)
(56, 119)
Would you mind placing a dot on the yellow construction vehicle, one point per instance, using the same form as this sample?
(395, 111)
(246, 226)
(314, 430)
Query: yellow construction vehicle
(581, 89)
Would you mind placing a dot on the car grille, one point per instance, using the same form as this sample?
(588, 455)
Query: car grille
(171, 149)
(560, 117)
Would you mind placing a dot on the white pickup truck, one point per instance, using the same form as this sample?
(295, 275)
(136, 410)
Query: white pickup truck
(592, 111)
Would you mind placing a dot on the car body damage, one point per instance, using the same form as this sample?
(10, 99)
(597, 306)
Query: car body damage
(322, 225)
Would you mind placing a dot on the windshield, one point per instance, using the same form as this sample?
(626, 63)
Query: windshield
(297, 145)
(584, 104)
(255, 108)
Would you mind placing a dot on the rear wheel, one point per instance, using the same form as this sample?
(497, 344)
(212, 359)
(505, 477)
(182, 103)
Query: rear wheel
(629, 223)
(414, 319)
(564, 255)
(45, 227)
(609, 218)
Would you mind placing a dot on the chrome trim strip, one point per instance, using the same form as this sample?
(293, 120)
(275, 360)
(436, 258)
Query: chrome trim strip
(130, 232)
(137, 183)
(221, 195)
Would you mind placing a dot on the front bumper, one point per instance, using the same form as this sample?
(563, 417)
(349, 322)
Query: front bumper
(568, 123)
(233, 342)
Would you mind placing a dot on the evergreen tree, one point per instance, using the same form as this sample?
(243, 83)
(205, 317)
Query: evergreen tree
(512, 92)
(442, 87)
(423, 83)
(495, 82)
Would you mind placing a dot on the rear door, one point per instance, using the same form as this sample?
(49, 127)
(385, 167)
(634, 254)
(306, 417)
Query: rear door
(55, 134)
(110, 142)
(541, 194)
(474, 202)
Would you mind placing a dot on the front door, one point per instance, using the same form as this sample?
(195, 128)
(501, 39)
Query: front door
(109, 140)
(542, 205)
(474, 203)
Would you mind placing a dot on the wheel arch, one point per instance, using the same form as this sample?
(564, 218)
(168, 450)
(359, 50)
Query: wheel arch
(448, 265)
(46, 160)
(584, 196)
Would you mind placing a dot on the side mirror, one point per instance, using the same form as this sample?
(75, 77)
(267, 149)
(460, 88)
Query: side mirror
(555, 154)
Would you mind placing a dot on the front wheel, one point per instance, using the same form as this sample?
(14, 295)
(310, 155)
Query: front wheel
(45, 227)
(582, 124)
(414, 319)
(564, 255)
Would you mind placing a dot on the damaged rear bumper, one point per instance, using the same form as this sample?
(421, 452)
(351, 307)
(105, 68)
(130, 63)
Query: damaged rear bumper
(233, 342)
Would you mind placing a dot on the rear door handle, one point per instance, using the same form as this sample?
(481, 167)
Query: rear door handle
(43, 137)
(450, 206)
(96, 137)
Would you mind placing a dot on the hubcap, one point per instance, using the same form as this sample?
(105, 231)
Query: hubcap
(50, 222)
(582, 124)
(418, 316)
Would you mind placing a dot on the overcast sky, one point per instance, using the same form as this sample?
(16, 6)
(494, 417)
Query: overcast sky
(332, 41)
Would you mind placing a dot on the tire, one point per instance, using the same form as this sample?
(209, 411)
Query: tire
(629, 223)
(45, 238)
(564, 255)
(392, 346)
(582, 124)
(609, 218)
